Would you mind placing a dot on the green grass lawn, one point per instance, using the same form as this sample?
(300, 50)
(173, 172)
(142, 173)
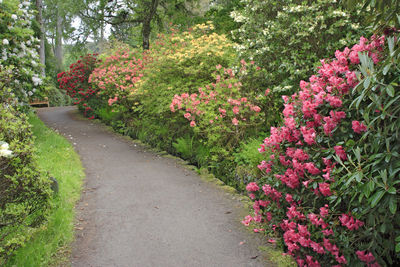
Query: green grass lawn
(50, 246)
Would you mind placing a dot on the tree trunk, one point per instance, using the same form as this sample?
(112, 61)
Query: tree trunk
(39, 18)
(146, 26)
(59, 32)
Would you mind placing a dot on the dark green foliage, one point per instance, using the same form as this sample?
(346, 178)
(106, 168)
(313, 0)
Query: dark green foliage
(288, 38)
(220, 15)
(57, 97)
(382, 13)
(24, 190)
(376, 154)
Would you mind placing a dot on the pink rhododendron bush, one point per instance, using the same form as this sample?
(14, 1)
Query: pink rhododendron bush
(116, 76)
(330, 189)
(222, 113)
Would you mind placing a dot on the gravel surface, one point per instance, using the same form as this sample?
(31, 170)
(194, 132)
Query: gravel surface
(141, 209)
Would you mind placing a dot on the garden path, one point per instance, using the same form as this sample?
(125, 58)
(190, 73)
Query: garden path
(141, 209)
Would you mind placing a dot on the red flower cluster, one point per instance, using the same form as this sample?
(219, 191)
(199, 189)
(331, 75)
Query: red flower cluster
(75, 82)
(311, 119)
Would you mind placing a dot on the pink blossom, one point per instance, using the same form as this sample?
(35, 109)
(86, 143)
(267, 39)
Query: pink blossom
(327, 232)
(365, 256)
(252, 187)
(310, 167)
(265, 166)
(317, 247)
(311, 262)
(192, 124)
(324, 189)
(340, 152)
(358, 127)
(187, 115)
(247, 220)
(235, 110)
(235, 121)
(349, 222)
(309, 109)
(256, 109)
(308, 135)
(289, 198)
(329, 125)
(300, 155)
(341, 259)
(268, 216)
(290, 122)
(324, 211)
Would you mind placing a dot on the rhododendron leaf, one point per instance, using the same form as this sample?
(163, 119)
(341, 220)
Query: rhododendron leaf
(384, 176)
(315, 185)
(367, 82)
(392, 190)
(386, 69)
(398, 247)
(357, 152)
(366, 191)
(359, 99)
(358, 176)
(371, 186)
(350, 143)
(390, 90)
(351, 179)
(383, 228)
(374, 200)
(392, 204)
(388, 157)
(391, 102)
(391, 46)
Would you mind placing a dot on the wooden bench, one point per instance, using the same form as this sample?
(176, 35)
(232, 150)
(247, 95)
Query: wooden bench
(38, 102)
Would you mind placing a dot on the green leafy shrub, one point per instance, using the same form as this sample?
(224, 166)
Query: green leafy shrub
(178, 62)
(287, 38)
(246, 158)
(24, 190)
(57, 97)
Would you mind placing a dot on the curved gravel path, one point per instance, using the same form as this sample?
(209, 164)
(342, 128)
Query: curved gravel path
(140, 209)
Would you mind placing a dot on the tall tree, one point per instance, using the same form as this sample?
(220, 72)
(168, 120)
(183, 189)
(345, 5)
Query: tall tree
(129, 12)
(146, 23)
(59, 36)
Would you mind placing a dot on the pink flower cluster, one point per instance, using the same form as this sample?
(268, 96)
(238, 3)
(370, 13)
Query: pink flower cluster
(118, 74)
(311, 115)
(349, 222)
(367, 257)
(222, 97)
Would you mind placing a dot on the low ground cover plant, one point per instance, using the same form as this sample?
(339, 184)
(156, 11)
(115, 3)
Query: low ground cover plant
(330, 189)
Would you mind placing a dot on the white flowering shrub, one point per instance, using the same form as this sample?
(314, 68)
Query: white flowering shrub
(288, 37)
(18, 52)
